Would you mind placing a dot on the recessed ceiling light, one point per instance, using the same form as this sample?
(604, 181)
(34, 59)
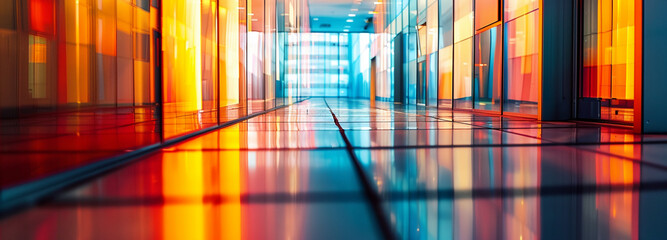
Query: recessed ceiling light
(354, 10)
(377, 3)
(350, 20)
(352, 15)
(316, 19)
(372, 12)
(346, 30)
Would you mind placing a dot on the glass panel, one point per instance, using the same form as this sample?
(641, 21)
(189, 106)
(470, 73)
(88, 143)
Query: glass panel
(228, 39)
(359, 66)
(446, 23)
(141, 46)
(445, 55)
(329, 64)
(488, 69)
(78, 51)
(463, 74)
(486, 12)
(522, 63)
(516, 8)
(463, 53)
(105, 48)
(42, 15)
(463, 20)
(445, 77)
(37, 68)
(256, 59)
(432, 29)
(608, 72)
(432, 82)
(421, 34)
(209, 54)
(182, 67)
(269, 53)
(124, 46)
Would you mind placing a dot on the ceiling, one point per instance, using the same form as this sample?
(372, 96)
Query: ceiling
(335, 15)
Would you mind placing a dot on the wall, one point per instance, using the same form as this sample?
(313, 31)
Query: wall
(654, 84)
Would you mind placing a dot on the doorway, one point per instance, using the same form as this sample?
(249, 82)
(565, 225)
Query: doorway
(606, 83)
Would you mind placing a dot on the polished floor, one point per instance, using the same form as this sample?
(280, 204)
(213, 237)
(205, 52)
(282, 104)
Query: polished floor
(338, 169)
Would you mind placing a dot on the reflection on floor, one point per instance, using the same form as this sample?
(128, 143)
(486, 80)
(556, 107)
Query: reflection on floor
(40, 146)
(294, 174)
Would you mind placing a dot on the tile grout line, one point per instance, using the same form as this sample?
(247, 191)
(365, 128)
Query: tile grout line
(372, 195)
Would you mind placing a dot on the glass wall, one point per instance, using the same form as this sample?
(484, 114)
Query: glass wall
(67, 55)
(118, 75)
(477, 54)
(328, 65)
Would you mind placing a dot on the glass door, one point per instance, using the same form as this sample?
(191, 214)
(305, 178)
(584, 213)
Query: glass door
(606, 87)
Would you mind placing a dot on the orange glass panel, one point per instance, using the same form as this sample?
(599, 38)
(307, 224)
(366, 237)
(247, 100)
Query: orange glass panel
(141, 54)
(124, 61)
(608, 71)
(445, 63)
(105, 48)
(209, 51)
(78, 21)
(486, 13)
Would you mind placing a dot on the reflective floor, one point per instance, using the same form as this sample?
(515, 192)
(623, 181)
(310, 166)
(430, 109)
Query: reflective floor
(336, 169)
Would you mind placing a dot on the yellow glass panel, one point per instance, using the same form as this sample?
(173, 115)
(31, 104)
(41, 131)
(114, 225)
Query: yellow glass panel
(463, 63)
(432, 29)
(229, 52)
(182, 55)
(463, 20)
(517, 8)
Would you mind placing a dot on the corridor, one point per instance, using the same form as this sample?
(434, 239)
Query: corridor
(336, 168)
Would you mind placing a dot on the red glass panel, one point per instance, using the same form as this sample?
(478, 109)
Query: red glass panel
(42, 16)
